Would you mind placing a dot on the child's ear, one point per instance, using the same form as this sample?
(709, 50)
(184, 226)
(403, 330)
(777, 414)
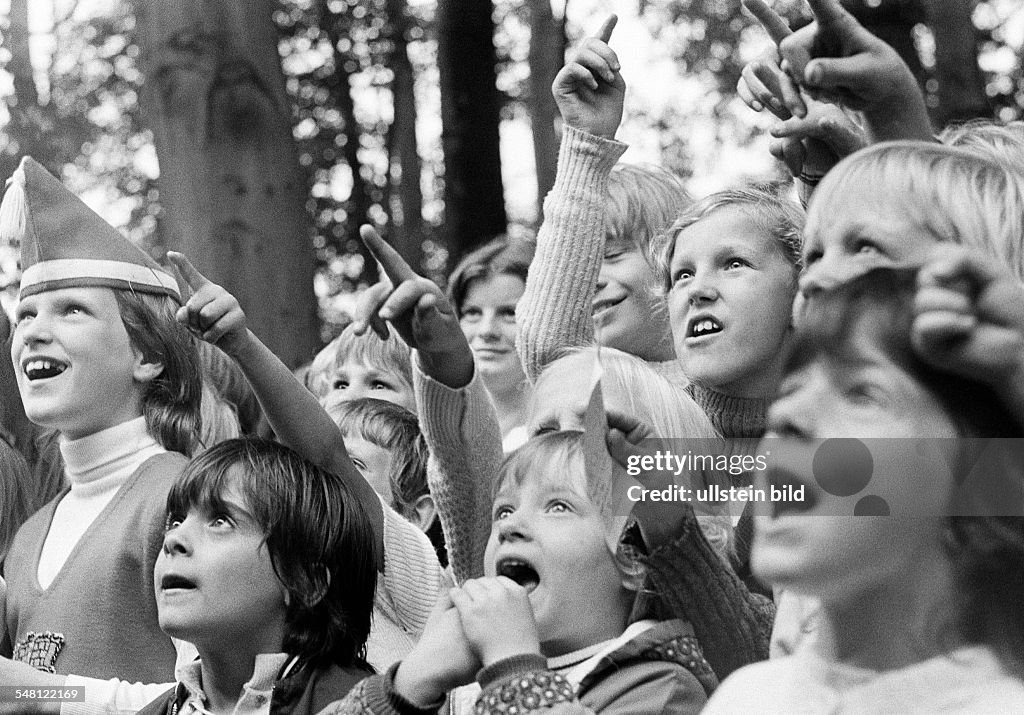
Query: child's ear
(423, 512)
(147, 371)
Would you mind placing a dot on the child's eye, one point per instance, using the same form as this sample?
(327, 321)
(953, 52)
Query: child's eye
(340, 384)
(863, 393)
(471, 313)
(359, 464)
(380, 385)
(866, 248)
(683, 274)
(173, 522)
(734, 263)
(222, 521)
(73, 309)
(811, 258)
(508, 314)
(502, 512)
(559, 507)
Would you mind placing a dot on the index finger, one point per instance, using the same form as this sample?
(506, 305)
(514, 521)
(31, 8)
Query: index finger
(393, 264)
(192, 276)
(770, 20)
(830, 13)
(605, 33)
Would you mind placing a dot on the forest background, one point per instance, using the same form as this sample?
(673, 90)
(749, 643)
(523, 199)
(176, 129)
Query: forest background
(256, 135)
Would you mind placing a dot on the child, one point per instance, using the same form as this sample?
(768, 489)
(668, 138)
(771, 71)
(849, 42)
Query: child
(410, 576)
(729, 267)
(919, 195)
(100, 359)
(387, 447)
(921, 613)
(485, 288)
(592, 265)
(268, 567)
(550, 621)
(357, 365)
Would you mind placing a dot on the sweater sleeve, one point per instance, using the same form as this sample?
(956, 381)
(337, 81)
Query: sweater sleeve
(376, 695)
(462, 433)
(413, 577)
(732, 625)
(555, 311)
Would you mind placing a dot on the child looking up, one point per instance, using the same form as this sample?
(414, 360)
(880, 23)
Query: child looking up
(592, 265)
(268, 567)
(730, 266)
(921, 613)
(100, 359)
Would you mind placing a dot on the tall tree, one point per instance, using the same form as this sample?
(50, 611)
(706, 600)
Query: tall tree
(470, 107)
(547, 52)
(961, 85)
(230, 183)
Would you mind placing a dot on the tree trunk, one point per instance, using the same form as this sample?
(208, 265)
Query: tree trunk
(547, 55)
(406, 204)
(961, 93)
(470, 105)
(230, 184)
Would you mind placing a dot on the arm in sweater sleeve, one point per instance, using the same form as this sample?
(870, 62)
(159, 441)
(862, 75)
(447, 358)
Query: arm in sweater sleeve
(462, 433)
(555, 311)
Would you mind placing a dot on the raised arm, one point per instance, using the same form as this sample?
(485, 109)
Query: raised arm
(555, 311)
(214, 315)
(456, 414)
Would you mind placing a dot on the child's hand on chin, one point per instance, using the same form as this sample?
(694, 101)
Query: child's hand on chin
(443, 659)
(497, 618)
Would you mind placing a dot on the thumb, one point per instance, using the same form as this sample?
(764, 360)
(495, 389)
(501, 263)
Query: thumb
(837, 73)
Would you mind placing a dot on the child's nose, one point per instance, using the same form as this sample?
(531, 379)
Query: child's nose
(818, 278)
(176, 541)
(512, 528)
(792, 415)
(34, 330)
(489, 324)
(702, 290)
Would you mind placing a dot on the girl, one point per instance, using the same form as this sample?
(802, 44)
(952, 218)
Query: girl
(550, 621)
(921, 613)
(99, 358)
(268, 567)
(485, 288)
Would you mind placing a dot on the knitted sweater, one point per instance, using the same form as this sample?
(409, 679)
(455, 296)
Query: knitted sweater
(98, 616)
(967, 680)
(461, 430)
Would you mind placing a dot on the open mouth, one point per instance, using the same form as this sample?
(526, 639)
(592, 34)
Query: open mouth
(520, 572)
(172, 582)
(788, 482)
(599, 306)
(706, 325)
(43, 368)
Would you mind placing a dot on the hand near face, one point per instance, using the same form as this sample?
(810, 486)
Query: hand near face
(589, 90)
(969, 319)
(443, 658)
(497, 618)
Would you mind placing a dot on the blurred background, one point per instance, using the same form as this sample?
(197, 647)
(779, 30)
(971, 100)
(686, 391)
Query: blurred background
(256, 135)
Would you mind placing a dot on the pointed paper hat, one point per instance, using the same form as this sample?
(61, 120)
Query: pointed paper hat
(65, 244)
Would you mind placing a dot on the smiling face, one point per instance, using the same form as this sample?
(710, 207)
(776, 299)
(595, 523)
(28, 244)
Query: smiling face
(857, 393)
(730, 301)
(550, 539)
(858, 227)
(77, 370)
(215, 583)
(355, 379)
(628, 314)
(488, 319)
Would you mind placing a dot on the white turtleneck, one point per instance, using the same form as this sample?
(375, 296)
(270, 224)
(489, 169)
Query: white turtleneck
(96, 466)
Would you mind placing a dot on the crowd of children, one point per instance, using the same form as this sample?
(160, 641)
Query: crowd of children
(439, 522)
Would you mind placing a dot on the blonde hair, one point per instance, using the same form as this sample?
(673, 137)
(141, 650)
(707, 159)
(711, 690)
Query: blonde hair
(667, 408)
(391, 355)
(782, 219)
(642, 202)
(1002, 142)
(954, 194)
